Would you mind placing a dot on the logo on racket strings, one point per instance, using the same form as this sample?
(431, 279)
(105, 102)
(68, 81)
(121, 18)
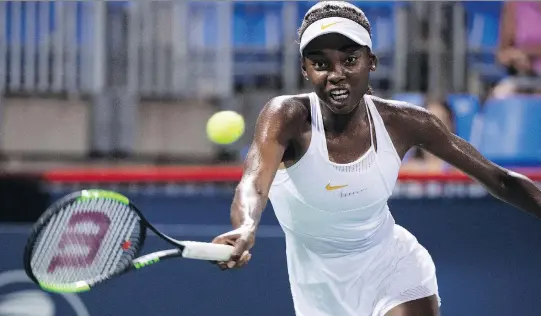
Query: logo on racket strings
(126, 245)
(78, 234)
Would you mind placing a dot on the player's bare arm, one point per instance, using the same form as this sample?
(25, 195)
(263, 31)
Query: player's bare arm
(278, 123)
(429, 133)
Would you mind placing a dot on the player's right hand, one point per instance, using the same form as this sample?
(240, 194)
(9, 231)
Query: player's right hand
(243, 240)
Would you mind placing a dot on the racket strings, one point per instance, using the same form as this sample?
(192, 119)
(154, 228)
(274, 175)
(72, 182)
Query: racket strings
(48, 242)
(50, 237)
(113, 250)
(113, 224)
(111, 241)
(125, 256)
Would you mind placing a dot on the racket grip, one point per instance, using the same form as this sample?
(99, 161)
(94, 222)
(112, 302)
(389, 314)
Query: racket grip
(206, 251)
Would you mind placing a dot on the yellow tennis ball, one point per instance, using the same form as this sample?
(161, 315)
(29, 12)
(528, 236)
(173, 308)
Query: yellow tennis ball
(225, 127)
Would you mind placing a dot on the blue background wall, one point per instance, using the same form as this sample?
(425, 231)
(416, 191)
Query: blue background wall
(487, 256)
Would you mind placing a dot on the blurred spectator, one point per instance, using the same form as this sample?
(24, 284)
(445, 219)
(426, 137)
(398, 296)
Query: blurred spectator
(520, 48)
(420, 160)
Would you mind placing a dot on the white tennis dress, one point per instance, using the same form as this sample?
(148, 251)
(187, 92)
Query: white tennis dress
(345, 254)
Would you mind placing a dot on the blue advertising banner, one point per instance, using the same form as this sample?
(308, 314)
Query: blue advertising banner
(487, 256)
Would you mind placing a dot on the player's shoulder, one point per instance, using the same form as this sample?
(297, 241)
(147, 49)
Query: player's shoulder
(290, 107)
(394, 112)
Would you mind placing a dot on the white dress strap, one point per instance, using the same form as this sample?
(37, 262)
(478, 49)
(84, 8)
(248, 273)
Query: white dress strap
(369, 114)
(318, 135)
(383, 139)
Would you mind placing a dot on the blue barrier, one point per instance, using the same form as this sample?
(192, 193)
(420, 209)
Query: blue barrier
(465, 107)
(414, 98)
(511, 133)
(483, 21)
(486, 253)
(257, 25)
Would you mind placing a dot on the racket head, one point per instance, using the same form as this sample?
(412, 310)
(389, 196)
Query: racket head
(83, 239)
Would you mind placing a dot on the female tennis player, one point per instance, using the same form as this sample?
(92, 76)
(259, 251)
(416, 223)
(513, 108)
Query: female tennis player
(329, 160)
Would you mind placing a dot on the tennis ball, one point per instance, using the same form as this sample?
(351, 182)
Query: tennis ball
(225, 127)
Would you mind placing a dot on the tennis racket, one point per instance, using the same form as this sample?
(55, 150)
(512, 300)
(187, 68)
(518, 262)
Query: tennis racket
(90, 236)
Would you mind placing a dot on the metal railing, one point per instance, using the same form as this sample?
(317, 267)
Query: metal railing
(154, 48)
(121, 51)
(51, 47)
(159, 48)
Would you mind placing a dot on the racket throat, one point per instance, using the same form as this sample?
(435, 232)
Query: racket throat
(155, 257)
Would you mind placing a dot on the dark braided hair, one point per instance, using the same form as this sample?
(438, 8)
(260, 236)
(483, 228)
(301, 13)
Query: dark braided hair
(342, 9)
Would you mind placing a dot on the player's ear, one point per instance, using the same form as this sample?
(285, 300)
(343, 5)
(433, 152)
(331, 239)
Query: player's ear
(373, 62)
(303, 69)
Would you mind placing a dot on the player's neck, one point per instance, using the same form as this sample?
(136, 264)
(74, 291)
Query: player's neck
(339, 123)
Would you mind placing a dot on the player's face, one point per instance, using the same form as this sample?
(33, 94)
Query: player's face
(338, 68)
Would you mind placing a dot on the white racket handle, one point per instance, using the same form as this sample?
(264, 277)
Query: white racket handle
(206, 251)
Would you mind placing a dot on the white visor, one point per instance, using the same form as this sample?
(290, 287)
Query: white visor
(346, 27)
